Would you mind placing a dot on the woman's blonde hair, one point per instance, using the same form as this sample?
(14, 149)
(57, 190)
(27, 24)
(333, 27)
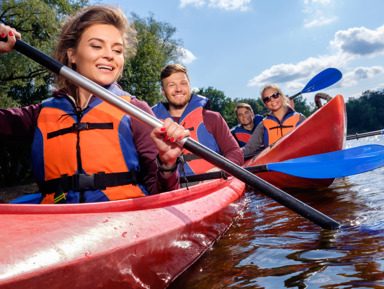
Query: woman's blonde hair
(286, 100)
(74, 27)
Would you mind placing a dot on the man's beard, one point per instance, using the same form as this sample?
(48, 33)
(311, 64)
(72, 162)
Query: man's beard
(180, 105)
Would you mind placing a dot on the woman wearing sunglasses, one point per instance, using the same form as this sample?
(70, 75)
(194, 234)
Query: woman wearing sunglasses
(280, 120)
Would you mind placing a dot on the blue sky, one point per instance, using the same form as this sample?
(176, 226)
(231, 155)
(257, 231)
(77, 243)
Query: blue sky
(237, 46)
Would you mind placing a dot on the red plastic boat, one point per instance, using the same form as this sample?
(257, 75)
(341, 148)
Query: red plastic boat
(145, 242)
(322, 132)
(137, 243)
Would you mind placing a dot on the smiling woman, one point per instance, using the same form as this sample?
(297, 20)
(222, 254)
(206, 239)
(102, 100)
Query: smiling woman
(100, 58)
(83, 148)
(281, 120)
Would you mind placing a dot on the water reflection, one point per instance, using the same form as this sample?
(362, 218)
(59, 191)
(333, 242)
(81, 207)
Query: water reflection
(272, 247)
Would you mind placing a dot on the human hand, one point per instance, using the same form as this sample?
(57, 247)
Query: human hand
(8, 37)
(165, 139)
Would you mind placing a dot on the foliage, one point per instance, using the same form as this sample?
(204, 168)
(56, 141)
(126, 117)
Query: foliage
(256, 104)
(155, 48)
(22, 81)
(220, 103)
(302, 107)
(20, 78)
(366, 113)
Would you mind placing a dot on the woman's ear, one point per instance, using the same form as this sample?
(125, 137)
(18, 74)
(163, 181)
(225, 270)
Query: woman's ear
(71, 55)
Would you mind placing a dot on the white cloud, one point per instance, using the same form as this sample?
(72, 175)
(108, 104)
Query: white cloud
(321, 21)
(324, 2)
(293, 73)
(197, 3)
(360, 41)
(379, 87)
(350, 44)
(241, 5)
(188, 56)
(318, 13)
(360, 73)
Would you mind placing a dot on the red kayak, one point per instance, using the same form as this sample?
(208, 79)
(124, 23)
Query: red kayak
(144, 242)
(322, 132)
(138, 243)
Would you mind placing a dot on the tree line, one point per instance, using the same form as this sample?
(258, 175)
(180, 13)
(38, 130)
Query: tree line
(24, 82)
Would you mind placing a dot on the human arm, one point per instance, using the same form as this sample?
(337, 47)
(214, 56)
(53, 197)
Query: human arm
(19, 124)
(255, 141)
(228, 145)
(155, 181)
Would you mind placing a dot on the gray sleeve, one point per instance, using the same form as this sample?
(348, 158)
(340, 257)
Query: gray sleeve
(255, 141)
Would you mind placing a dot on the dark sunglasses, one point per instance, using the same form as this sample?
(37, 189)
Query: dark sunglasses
(268, 98)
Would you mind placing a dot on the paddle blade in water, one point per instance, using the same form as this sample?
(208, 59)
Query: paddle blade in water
(335, 164)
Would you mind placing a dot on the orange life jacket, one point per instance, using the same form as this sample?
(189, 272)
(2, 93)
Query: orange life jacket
(192, 119)
(274, 129)
(88, 152)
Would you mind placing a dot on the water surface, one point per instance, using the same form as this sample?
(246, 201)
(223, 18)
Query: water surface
(273, 247)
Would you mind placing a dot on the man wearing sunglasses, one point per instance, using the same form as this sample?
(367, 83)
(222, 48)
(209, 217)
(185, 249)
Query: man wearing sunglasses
(247, 123)
(280, 120)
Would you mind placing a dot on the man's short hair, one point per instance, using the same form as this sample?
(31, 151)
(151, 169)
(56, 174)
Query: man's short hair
(171, 69)
(243, 105)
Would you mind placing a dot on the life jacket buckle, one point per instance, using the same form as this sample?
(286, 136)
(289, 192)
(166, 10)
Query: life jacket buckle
(79, 126)
(83, 182)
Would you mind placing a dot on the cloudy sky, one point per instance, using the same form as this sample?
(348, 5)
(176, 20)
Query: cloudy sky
(237, 46)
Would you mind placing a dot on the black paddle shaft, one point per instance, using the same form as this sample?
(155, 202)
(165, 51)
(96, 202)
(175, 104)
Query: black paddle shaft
(190, 144)
(364, 134)
(262, 186)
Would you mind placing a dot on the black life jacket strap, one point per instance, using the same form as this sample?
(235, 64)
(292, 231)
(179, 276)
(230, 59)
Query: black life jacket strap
(79, 127)
(281, 126)
(83, 182)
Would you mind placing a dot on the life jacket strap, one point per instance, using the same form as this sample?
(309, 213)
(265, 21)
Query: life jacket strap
(79, 126)
(83, 182)
(281, 126)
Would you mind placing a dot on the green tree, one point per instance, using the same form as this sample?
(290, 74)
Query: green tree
(256, 104)
(22, 81)
(156, 47)
(366, 113)
(302, 106)
(220, 103)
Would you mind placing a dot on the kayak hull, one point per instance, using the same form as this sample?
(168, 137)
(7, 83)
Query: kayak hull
(322, 132)
(139, 243)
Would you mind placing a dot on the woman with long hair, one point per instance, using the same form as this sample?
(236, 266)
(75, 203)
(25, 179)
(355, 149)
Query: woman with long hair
(85, 149)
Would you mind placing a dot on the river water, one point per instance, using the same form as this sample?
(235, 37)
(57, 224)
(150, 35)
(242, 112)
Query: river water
(269, 246)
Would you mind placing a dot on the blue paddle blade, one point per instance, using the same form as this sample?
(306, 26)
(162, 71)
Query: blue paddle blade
(322, 80)
(334, 164)
(28, 199)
